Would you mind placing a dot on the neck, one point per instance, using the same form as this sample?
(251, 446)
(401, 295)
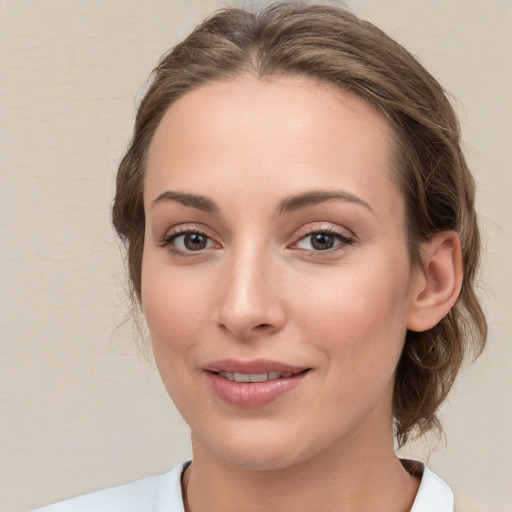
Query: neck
(364, 477)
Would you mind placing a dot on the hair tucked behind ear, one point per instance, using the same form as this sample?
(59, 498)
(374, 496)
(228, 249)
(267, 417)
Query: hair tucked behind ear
(333, 46)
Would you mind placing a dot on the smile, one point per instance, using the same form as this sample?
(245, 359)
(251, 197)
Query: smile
(253, 384)
(255, 377)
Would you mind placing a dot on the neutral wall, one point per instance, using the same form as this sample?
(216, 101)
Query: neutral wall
(81, 408)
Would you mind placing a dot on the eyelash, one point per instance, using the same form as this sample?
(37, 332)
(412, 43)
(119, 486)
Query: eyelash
(343, 239)
(169, 238)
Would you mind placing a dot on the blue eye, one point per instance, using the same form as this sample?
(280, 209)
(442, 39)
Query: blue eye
(190, 241)
(322, 241)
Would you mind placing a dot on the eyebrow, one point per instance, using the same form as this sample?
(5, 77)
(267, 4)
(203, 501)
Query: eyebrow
(192, 200)
(287, 205)
(314, 197)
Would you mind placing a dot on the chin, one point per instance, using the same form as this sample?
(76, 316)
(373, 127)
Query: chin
(259, 460)
(250, 451)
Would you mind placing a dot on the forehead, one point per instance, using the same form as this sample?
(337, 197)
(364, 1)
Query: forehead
(281, 134)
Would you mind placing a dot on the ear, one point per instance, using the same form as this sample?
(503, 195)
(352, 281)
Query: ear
(438, 282)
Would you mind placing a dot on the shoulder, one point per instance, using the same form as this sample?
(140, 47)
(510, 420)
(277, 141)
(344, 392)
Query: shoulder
(152, 494)
(433, 494)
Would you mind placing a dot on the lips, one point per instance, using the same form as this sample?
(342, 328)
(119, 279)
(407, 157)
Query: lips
(252, 384)
(254, 377)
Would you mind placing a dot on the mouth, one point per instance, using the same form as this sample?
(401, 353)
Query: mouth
(253, 384)
(252, 367)
(258, 377)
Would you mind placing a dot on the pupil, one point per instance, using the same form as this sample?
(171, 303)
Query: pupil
(195, 241)
(322, 241)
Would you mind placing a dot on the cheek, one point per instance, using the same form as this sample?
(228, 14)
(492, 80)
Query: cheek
(171, 312)
(359, 316)
(170, 305)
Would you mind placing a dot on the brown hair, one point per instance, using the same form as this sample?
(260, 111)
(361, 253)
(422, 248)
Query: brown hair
(331, 45)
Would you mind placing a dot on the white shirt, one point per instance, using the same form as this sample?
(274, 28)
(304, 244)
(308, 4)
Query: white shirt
(162, 493)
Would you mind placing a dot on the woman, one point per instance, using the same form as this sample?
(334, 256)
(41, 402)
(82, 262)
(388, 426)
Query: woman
(301, 236)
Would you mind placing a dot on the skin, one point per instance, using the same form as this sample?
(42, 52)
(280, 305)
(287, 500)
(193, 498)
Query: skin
(260, 289)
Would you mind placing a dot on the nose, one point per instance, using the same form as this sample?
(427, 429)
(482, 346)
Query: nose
(249, 299)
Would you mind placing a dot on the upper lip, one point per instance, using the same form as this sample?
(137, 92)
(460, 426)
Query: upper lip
(253, 366)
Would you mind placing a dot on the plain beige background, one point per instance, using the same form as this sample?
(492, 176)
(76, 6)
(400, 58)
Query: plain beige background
(81, 407)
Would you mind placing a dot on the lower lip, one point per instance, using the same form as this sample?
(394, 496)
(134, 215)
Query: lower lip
(252, 394)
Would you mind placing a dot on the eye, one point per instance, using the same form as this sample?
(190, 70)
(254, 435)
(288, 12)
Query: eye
(188, 241)
(322, 241)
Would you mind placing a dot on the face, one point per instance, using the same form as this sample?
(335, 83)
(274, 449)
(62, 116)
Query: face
(276, 282)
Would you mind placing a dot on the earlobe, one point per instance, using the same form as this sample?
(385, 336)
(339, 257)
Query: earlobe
(438, 283)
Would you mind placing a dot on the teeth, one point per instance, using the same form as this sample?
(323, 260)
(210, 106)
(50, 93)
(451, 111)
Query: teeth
(254, 377)
(258, 377)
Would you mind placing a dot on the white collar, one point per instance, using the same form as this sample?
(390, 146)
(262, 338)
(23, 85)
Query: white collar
(434, 495)
(162, 493)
